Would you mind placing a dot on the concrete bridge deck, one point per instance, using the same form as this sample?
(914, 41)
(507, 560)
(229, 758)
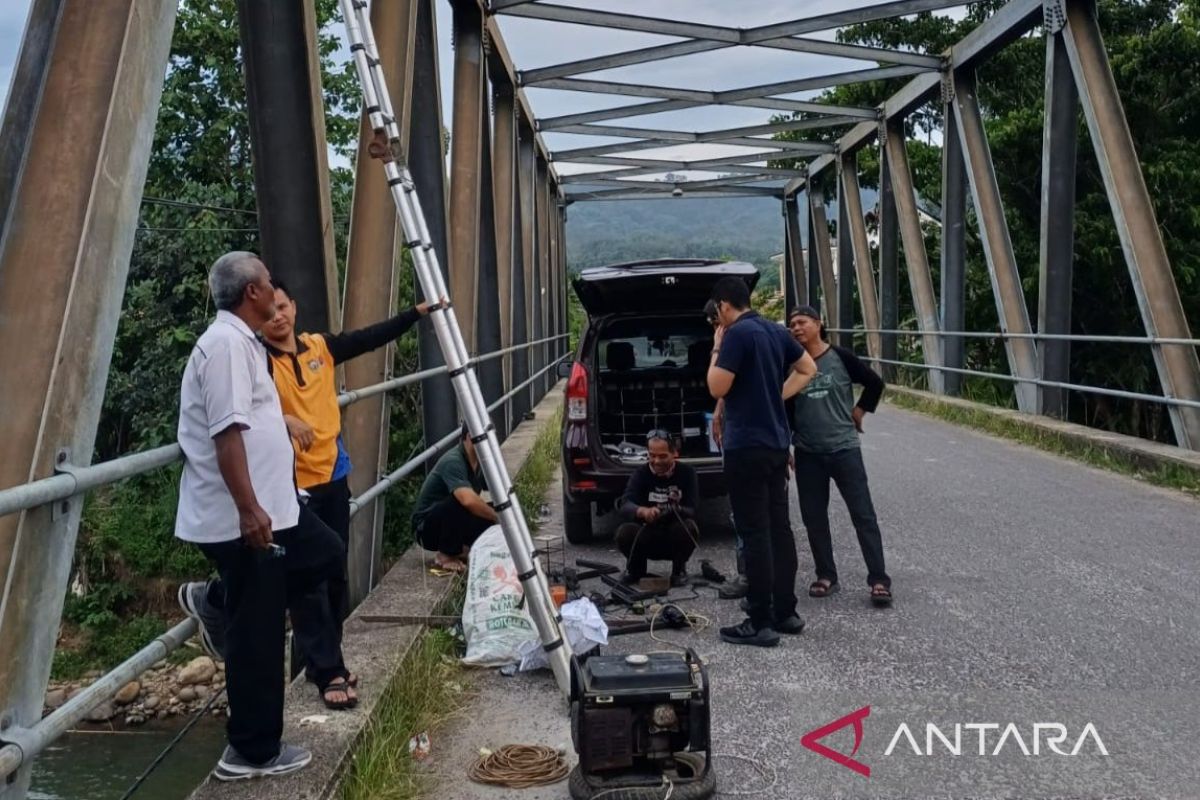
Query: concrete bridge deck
(1030, 589)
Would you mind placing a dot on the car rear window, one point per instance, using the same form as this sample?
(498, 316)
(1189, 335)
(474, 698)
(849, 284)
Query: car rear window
(654, 343)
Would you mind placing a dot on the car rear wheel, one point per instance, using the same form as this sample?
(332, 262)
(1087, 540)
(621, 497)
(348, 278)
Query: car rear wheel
(577, 520)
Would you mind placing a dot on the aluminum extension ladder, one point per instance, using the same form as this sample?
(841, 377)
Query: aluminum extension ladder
(378, 104)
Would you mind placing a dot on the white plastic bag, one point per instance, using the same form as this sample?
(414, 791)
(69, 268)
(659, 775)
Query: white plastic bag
(585, 629)
(493, 624)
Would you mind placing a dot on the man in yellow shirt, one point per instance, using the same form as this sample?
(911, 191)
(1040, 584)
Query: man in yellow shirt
(303, 367)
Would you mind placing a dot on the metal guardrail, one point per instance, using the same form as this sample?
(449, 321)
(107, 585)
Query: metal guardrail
(72, 480)
(1050, 337)
(1074, 387)
(21, 744)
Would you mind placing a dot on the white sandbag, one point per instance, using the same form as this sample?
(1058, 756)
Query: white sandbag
(494, 626)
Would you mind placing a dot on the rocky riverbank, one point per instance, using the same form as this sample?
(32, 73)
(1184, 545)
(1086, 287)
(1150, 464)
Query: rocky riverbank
(162, 692)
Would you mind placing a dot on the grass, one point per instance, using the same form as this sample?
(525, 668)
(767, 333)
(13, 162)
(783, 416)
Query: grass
(430, 687)
(1170, 476)
(538, 472)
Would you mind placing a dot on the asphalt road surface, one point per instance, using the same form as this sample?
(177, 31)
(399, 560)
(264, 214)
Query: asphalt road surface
(1034, 597)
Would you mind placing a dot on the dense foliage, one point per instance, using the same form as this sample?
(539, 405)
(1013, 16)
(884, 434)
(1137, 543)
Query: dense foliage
(1154, 48)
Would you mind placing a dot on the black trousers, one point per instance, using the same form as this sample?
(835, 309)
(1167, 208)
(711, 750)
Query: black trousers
(449, 527)
(846, 469)
(330, 502)
(756, 478)
(669, 539)
(257, 588)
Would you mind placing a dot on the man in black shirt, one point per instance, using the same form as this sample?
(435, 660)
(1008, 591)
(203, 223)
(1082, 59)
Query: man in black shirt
(660, 504)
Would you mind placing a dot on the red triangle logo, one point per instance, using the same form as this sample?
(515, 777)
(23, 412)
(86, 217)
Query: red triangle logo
(811, 740)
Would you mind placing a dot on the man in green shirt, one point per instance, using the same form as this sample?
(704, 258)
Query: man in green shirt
(450, 514)
(826, 422)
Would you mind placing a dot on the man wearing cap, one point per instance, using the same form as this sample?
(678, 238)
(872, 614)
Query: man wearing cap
(826, 423)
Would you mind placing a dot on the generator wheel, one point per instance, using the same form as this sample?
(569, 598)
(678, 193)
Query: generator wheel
(693, 789)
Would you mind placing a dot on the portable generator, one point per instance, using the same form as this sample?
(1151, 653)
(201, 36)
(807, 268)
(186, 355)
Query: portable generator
(640, 723)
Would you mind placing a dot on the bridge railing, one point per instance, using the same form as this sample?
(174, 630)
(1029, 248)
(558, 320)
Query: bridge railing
(21, 744)
(1040, 382)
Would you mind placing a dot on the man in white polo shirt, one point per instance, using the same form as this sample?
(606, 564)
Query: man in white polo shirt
(237, 502)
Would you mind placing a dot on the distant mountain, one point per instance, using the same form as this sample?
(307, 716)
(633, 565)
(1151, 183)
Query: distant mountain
(741, 228)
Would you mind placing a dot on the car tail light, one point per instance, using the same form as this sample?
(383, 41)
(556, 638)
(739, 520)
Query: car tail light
(577, 394)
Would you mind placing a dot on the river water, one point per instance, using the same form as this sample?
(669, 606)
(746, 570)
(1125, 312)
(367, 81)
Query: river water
(102, 765)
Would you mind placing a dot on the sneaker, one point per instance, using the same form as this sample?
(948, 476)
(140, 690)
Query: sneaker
(791, 625)
(679, 578)
(732, 590)
(193, 599)
(232, 767)
(746, 633)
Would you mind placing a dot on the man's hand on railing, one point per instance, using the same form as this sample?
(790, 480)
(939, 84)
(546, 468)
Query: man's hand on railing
(301, 431)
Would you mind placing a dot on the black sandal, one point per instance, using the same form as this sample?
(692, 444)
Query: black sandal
(822, 587)
(342, 686)
(881, 595)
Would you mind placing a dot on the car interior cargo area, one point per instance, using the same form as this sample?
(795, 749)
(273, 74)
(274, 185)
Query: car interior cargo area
(652, 376)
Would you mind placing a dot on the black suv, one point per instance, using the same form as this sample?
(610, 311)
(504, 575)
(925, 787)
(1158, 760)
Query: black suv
(642, 365)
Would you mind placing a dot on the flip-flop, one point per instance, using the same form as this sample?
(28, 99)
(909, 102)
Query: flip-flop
(822, 587)
(341, 685)
(881, 595)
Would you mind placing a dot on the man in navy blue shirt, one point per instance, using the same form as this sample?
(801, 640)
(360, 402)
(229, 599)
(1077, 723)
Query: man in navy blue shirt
(755, 366)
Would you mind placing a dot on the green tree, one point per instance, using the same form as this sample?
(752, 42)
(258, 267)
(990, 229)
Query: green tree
(1154, 48)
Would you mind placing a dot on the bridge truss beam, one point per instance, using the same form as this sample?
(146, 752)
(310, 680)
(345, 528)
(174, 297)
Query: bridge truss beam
(93, 79)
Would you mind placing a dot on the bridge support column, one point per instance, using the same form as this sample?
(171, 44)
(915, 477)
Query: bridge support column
(373, 264)
(92, 79)
(427, 162)
(1153, 281)
(889, 264)
(527, 187)
(857, 225)
(542, 300)
(291, 170)
(795, 285)
(466, 156)
(954, 250)
(915, 255)
(1059, 150)
(845, 263)
(487, 299)
(813, 263)
(820, 254)
(997, 244)
(504, 186)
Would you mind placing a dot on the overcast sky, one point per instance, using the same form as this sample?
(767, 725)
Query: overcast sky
(536, 43)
